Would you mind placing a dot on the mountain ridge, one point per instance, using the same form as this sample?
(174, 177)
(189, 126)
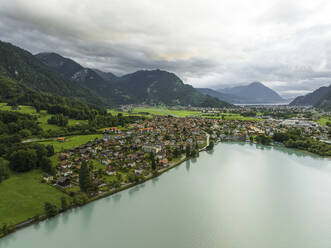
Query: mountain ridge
(145, 86)
(255, 92)
(320, 98)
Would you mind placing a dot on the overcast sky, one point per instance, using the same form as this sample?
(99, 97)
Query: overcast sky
(285, 44)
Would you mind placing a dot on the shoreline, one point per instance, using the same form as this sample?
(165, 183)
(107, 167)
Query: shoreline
(31, 221)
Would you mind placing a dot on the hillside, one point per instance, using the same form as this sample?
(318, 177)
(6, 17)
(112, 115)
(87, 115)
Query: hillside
(221, 96)
(255, 92)
(141, 87)
(162, 87)
(320, 98)
(311, 98)
(325, 101)
(95, 80)
(24, 68)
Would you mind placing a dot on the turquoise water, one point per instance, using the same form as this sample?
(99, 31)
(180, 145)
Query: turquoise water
(239, 196)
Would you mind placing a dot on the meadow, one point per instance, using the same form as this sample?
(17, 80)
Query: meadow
(324, 120)
(23, 197)
(42, 117)
(71, 141)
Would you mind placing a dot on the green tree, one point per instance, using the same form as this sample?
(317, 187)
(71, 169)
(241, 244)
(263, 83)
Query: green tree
(46, 165)
(23, 160)
(84, 177)
(50, 150)
(4, 171)
(188, 151)
(5, 229)
(153, 162)
(50, 209)
(64, 203)
(211, 145)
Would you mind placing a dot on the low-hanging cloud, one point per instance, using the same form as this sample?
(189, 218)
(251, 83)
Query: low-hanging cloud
(208, 43)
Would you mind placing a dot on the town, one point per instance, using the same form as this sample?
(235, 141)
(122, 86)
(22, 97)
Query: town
(146, 148)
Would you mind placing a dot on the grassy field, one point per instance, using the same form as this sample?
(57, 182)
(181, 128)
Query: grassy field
(23, 197)
(183, 113)
(152, 111)
(22, 109)
(71, 141)
(43, 116)
(324, 120)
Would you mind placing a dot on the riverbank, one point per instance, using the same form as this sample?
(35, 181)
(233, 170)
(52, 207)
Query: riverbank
(32, 221)
(233, 193)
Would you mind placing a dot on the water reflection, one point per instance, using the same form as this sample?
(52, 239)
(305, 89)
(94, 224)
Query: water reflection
(188, 164)
(117, 197)
(51, 224)
(210, 152)
(133, 190)
(87, 214)
(36, 226)
(155, 180)
(65, 216)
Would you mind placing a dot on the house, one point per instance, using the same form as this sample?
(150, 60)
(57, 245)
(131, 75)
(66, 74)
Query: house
(63, 182)
(138, 172)
(110, 170)
(116, 130)
(61, 139)
(164, 162)
(106, 138)
(152, 148)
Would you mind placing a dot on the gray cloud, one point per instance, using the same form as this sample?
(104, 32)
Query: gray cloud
(285, 44)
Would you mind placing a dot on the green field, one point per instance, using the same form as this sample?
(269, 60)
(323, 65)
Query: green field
(71, 141)
(22, 109)
(163, 111)
(324, 120)
(152, 111)
(124, 113)
(23, 197)
(43, 116)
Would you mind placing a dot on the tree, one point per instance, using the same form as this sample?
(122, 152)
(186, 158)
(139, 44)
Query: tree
(5, 229)
(195, 153)
(4, 171)
(263, 139)
(50, 209)
(153, 162)
(23, 160)
(176, 152)
(188, 151)
(59, 120)
(64, 203)
(211, 145)
(50, 150)
(46, 165)
(84, 177)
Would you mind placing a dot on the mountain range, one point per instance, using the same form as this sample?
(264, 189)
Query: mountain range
(320, 98)
(24, 77)
(253, 93)
(53, 74)
(142, 87)
(29, 73)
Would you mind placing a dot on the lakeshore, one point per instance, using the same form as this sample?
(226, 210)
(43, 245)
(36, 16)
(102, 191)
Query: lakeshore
(34, 221)
(237, 164)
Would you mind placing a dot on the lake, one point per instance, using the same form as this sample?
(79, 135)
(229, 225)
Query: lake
(237, 196)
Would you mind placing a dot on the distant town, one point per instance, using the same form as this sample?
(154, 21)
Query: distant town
(141, 150)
